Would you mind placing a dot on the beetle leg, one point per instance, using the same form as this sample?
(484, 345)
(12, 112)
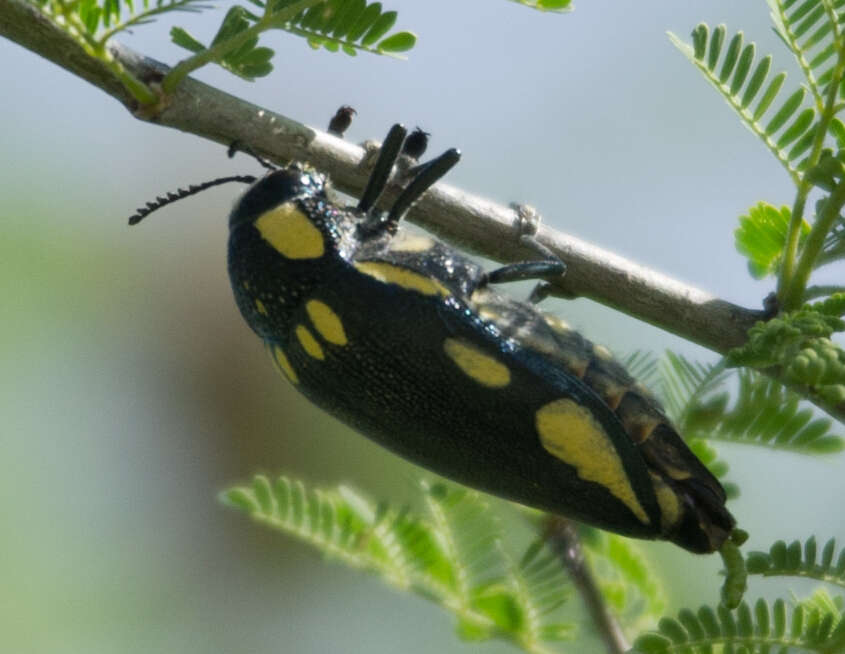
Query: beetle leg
(549, 267)
(540, 292)
(517, 272)
(237, 146)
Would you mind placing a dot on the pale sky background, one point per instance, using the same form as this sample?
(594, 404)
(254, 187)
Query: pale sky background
(132, 392)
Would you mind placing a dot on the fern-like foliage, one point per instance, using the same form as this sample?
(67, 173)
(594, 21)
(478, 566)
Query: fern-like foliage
(798, 131)
(348, 25)
(351, 26)
(834, 244)
(247, 61)
(685, 384)
(453, 555)
(800, 560)
(760, 411)
(336, 25)
(629, 584)
(643, 366)
(767, 414)
(100, 20)
(812, 30)
(547, 5)
(806, 627)
(787, 127)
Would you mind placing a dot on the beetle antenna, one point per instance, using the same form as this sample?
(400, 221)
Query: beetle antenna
(237, 146)
(428, 174)
(381, 173)
(193, 189)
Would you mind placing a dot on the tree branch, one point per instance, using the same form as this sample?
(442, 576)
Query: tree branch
(562, 537)
(472, 222)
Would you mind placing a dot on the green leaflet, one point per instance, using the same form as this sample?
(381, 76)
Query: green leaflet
(741, 82)
(761, 237)
(548, 5)
(627, 580)
(800, 560)
(815, 625)
(807, 29)
(452, 554)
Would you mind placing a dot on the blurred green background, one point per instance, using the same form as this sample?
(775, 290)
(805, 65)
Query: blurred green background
(131, 392)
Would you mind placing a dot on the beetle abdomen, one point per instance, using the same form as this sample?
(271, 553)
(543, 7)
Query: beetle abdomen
(691, 498)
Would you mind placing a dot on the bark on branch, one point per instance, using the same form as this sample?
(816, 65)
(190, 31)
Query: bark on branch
(474, 223)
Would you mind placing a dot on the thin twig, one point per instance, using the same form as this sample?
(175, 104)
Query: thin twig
(562, 537)
(472, 222)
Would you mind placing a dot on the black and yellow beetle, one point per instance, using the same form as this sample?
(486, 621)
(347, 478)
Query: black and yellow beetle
(402, 338)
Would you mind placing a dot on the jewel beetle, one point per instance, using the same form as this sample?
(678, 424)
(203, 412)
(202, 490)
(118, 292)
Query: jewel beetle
(405, 339)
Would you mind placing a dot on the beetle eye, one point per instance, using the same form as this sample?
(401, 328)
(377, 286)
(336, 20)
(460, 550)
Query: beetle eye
(272, 190)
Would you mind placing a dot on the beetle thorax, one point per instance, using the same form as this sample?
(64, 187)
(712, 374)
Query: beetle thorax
(277, 260)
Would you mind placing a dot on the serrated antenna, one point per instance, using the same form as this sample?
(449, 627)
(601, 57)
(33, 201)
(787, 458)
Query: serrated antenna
(193, 189)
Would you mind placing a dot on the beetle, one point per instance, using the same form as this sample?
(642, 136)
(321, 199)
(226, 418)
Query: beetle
(404, 339)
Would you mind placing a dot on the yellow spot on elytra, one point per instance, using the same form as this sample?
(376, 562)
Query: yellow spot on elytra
(326, 322)
(246, 286)
(290, 232)
(677, 474)
(284, 365)
(558, 324)
(391, 274)
(477, 364)
(259, 306)
(602, 353)
(309, 343)
(407, 242)
(667, 500)
(571, 433)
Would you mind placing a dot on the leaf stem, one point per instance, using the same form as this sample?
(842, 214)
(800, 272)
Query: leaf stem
(794, 294)
(562, 537)
(788, 35)
(792, 233)
(833, 19)
(220, 49)
(140, 91)
(791, 284)
(816, 572)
